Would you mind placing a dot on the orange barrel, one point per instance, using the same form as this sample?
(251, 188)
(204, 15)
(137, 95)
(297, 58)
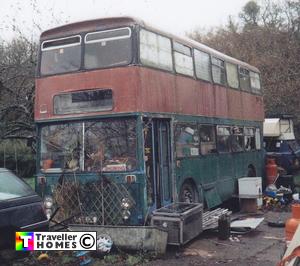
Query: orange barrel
(292, 223)
(271, 171)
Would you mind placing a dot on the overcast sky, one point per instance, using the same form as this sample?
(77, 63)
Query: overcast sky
(171, 15)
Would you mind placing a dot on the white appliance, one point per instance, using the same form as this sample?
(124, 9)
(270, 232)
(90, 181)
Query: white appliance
(251, 187)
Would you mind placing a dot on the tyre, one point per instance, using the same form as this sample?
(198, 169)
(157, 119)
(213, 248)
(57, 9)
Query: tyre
(188, 193)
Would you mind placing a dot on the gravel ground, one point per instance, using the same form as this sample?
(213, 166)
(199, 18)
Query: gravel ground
(263, 246)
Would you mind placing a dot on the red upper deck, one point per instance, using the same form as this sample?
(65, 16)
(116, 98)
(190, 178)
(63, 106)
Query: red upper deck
(138, 88)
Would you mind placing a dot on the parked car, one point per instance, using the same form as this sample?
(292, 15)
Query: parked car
(21, 209)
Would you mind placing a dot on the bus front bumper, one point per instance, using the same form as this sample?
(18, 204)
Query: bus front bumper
(148, 238)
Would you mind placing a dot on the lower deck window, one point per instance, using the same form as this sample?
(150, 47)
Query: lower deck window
(249, 139)
(187, 140)
(106, 145)
(207, 139)
(223, 134)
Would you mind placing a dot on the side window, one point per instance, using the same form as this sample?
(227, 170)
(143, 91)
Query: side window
(218, 71)
(255, 81)
(223, 138)
(249, 139)
(232, 75)
(155, 50)
(237, 139)
(187, 140)
(183, 59)
(202, 65)
(257, 139)
(207, 139)
(244, 79)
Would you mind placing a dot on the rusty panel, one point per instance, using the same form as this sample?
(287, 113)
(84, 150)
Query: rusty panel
(252, 107)
(148, 90)
(207, 95)
(235, 107)
(157, 91)
(221, 101)
(187, 96)
(120, 80)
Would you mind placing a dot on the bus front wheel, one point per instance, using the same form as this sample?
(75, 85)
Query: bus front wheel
(188, 193)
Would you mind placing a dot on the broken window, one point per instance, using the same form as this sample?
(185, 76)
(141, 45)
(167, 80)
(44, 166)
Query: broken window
(249, 138)
(237, 139)
(187, 140)
(244, 79)
(183, 59)
(207, 139)
(223, 134)
(202, 65)
(218, 71)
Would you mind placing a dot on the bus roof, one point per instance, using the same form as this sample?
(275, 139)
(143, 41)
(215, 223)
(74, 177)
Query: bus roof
(101, 24)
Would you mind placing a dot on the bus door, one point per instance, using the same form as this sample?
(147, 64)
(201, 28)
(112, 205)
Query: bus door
(158, 161)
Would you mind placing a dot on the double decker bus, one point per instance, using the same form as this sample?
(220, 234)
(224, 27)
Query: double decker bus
(130, 118)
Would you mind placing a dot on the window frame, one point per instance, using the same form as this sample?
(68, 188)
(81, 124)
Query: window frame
(247, 135)
(186, 124)
(237, 72)
(61, 46)
(209, 65)
(217, 135)
(133, 49)
(107, 39)
(244, 75)
(213, 126)
(175, 50)
(219, 67)
(255, 90)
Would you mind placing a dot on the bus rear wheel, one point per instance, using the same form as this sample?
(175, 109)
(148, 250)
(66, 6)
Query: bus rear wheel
(188, 193)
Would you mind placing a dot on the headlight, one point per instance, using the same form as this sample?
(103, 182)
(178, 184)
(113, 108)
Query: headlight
(126, 214)
(126, 203)
(48, 202)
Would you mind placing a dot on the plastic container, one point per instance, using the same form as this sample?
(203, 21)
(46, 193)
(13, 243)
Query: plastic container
(292, 223)
(271, 171)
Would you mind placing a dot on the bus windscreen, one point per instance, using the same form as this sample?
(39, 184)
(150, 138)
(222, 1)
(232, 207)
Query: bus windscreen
(107, 145)
(108, 48)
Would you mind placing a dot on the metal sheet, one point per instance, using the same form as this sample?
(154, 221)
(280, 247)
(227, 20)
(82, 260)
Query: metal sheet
(248, 222)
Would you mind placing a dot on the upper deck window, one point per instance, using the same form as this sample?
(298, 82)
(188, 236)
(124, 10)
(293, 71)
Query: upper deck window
(244, 79)
(155, 50)
(218, 71)
(255, 81)
(183, 59)
(108, 48)
(202, 64)
(232, 75)
(61, 55)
